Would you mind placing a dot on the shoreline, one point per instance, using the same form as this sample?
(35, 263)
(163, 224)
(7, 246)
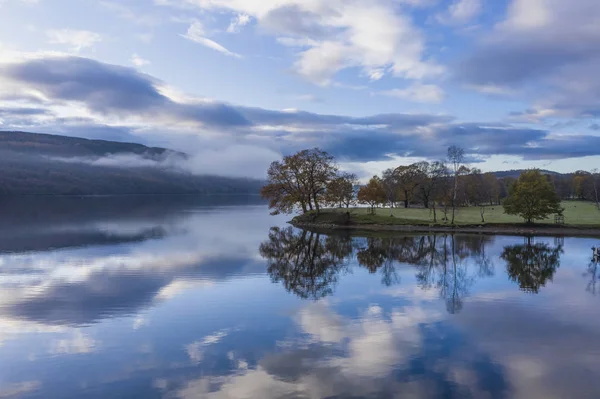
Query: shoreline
(542, 230)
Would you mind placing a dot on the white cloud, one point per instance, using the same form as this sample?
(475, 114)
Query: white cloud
(461, 12)
(238, 22)
(139, 61)
(341, 34)
(422, 93)
(529, 14)
(196, 33)
(76, 39)
(134, 16)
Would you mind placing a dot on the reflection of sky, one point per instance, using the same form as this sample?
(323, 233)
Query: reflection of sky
(192, 313)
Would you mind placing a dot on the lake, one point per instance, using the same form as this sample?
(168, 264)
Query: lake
(210, 297)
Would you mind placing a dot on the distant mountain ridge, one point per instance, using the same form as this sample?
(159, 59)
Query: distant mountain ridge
(517, 172)
(44, 164)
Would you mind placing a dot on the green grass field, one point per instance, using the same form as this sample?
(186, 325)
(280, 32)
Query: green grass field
(577, 213)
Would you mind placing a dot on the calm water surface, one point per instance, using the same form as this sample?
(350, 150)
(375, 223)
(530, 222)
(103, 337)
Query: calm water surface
(212, 298)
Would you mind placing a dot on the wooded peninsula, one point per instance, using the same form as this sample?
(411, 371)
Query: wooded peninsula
(444, 195)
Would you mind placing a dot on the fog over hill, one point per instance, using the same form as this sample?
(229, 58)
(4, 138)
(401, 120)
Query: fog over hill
(32, 163)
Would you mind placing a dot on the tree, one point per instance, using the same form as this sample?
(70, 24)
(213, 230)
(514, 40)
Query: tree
(493, 185)
(532, 197)
(433, 180)
(408, 178)
(479, 191)
(391, 187)
(372, 194)
(456, 157)
(595, 184)
(340, 190)
(299, 181)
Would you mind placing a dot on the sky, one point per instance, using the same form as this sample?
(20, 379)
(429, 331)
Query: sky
(378, 84)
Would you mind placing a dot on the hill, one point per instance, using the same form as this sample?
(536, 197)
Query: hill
(44, 164)
(517, 172)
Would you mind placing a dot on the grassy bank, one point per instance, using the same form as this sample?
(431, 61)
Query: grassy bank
(578, 216)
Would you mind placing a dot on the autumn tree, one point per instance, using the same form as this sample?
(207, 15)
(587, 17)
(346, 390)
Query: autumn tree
(456, 158)
(532, 197)
(340, 190)
(372, 194)
(299, 181)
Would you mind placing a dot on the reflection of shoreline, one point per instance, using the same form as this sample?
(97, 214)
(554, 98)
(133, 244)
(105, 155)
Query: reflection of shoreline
(516, 230)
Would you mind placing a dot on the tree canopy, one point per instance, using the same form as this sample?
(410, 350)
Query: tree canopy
(299, 181)
(532, 197)
(373, 193)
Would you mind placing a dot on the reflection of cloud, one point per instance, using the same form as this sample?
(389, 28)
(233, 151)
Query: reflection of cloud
(195, 350)
(542, 357)
(78, 343)
(19, 388)
(139, 322)
(11, 328)
(178, 286)
(321, 323)
(343, 356)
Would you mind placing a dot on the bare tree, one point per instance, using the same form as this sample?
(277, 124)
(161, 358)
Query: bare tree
(456, 157)
(433, 176)
(391, 187)
(595, 177)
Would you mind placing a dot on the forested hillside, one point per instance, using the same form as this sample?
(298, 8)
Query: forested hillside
(48, 164)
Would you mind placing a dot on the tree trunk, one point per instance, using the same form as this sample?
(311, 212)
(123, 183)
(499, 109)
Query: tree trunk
(454, 194)
(434, 214)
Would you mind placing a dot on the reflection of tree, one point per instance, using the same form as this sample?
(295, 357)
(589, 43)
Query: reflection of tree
(307, 263)
(380, 254)
(444, 264)
(592, 272)
(531, 264)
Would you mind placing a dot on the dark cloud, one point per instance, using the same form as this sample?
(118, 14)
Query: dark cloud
(23, 111)
(119, 91)
(111, 89)
(549, 54)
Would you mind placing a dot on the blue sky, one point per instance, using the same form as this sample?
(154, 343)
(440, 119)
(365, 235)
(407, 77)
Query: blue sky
(377, 83)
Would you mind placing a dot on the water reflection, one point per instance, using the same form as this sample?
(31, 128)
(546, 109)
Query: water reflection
(307, 263)
(197, 299)
(310, 264)
(531, 265)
